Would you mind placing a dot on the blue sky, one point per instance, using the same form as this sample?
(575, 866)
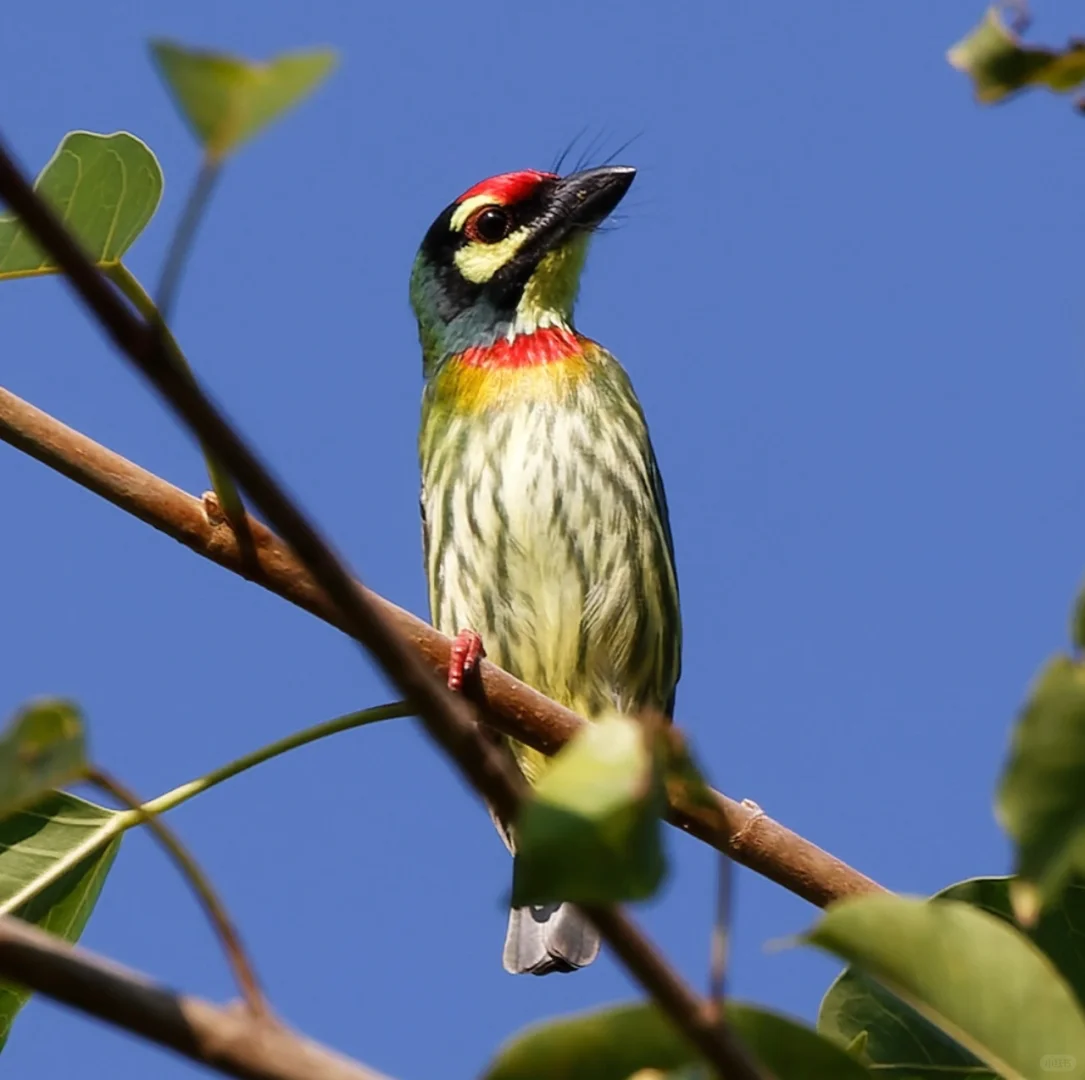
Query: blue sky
(851, 303)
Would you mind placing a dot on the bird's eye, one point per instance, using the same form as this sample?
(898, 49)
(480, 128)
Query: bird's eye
(489, 225)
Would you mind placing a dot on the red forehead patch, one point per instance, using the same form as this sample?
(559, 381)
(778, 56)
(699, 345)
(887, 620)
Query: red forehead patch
(509, 187)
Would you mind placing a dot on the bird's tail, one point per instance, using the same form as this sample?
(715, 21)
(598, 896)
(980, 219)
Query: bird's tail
(548, 937)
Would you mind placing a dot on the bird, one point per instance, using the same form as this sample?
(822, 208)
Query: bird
(545, 532)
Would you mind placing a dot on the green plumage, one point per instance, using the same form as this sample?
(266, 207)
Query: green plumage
(546, 531)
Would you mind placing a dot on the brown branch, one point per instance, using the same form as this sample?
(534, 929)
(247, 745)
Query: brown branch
(738, 829)
(449, 719)
(230, 1039)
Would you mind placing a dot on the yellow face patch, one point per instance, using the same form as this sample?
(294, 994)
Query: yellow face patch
(478, 262)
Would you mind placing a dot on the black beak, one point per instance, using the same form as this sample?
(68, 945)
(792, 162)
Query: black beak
(585, 198)
(577, 202)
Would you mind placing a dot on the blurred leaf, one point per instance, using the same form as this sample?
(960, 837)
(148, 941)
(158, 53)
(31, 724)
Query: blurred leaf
(604, 1044)
(1059, 933)
(621, 1041)
(893, 1036)
(856, 1048)
(1041, 796)
(227, 100)
(42, 748)
(590, 831)
(1000, 65)
(969, 973)
(790, 1050)
(684, 777)
(105, 188)
(33, 841)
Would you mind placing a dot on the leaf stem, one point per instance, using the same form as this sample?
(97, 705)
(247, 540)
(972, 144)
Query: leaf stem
(127, 819)
(182, 794)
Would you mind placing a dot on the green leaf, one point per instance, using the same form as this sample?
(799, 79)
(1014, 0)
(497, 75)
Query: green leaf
(42, 748)
(590, 832)
(1000, 65)
(790, 1050)
(893, 1036)
(105, 188)
(967, 972)
(1041, 796)
(621, 1041)
(32, 842)
(684, 778)
(227, 100)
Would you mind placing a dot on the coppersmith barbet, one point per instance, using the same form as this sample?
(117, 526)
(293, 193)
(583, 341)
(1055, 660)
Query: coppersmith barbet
(545, 525)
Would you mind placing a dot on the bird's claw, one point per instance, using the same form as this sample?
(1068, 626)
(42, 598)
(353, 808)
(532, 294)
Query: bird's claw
(463, 658)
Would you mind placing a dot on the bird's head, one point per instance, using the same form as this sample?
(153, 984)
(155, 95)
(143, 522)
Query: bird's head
(505, 258)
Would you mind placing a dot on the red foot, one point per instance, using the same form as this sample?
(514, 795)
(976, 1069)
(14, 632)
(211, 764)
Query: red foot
(466, 652)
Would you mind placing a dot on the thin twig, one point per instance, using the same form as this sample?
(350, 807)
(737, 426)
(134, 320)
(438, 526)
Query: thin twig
(449, 719)
(229, 1040)
(348, 722)
(721, 929)
(745, 833)
(213, 907)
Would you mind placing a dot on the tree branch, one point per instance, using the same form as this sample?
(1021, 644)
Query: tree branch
(230, 1040)
(738, 829)
(449, 719)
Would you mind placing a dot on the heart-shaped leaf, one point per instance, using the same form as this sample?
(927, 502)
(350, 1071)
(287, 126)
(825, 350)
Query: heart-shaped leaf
(590, 831)
(227, 100)
(105, 188)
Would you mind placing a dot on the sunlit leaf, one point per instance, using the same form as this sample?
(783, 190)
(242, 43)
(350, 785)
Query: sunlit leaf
(590, 832)
(105, 188)
(42, 748)
(227, 100)
(623, 1041)
(1000, 65)
(33, 842)
(978, 980)
(1041, 797)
